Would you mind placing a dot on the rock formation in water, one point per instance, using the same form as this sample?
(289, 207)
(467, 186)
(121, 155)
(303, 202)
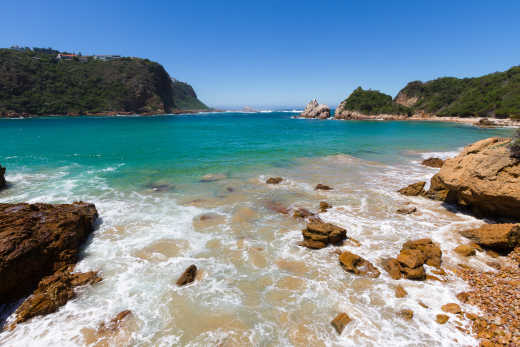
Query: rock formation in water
(2, 178)
(409, 263)
(433, 162)
(319, 234)
(315, 110)
(39, 244)
(483, 178)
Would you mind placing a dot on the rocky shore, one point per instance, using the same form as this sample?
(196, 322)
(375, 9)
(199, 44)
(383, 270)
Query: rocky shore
(39, 246)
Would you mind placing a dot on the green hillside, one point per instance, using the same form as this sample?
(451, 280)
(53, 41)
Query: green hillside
(371, 102)
(35, 82)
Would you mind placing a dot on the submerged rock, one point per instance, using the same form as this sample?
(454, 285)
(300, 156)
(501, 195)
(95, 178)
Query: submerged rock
(324, 206)
(482, 178)
(315, 110)
(3, 183)
(465, 250)
(500, 237)
(340, 322)
(319, 234)
(114, 324)
(406, 314)
(188, 276)
(37, 240)
(451, 308)
(212, 177)
(400, 292)
(302, 213)
(320, 186)
(433, 162)
(441, 318)
(274, 180)
(413, 189)
(407, 210)
(354, 263)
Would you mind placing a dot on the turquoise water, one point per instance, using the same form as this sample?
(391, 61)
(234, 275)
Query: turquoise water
(185, 148)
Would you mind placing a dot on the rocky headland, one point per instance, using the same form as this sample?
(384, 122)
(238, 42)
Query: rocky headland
(39, 246)
(315, 110)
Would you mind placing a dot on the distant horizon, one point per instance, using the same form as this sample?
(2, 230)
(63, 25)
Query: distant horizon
(282, 53)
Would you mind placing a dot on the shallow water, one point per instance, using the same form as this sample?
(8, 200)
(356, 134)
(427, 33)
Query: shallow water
(256, 285)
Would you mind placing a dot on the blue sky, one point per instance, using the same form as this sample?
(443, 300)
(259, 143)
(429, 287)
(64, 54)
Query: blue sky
(237, 53)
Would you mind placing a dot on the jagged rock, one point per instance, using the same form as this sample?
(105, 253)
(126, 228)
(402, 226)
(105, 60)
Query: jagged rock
(340, 322)
(411, 258)
(53, 292)
(482, 178)
(187, 276)
(417, 273)
(451, 308)
(302, 213)
(441, 318)
(37, 240)
(2, 178)
(320, 186)
(319, 234)
(392, 267)
(407, 210)
(433, 162)
(500, 237)
(315, 110)
(354, 263)
(274, 180)
(400, 292)
(324, 206)
(413, 189)
(465, 250)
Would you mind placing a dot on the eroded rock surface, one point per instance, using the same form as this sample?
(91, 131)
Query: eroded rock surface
(355, 264)
(500, 237)
(413, 189)
(316, 110)
(483, 178)
(319, 234)
(433, 162)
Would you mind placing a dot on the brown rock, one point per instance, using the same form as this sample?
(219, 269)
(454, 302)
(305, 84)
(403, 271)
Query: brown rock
(3, 183)
(400, 292)
(451, 308)
(406, 314)
(326, 233)
(465, 250)
(302, 213)
(274, 180)
(413, 189)
(483, 178)
(114, 323)
(340, 322)
(276, 207)
(320, 186)
(441, 318)
(324, 206)
(53, 292)
(313, 244)
(37, 240)
(187, 276)
(433, 162)
(392, 267)
(411, 258)
(407, 210)
(463, 296)
(354, 263)
(431, 251)
(501, 237)
(417, 273)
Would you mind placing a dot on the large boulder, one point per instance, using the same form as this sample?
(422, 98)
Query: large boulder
(433, 162)
(414, 189)
(37, 240)
(319, 234)
(410, 261)
(315, 110)
(2, 177)
(500, 237)
(483, 178)
(355, 264)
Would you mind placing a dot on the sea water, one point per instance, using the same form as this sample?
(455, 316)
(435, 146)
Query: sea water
(160, 212)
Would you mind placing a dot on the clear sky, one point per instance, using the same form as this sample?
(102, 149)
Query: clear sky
(237, 53)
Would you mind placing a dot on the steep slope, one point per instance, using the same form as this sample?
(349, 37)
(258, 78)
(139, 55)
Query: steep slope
(363, 103)
(36, 83)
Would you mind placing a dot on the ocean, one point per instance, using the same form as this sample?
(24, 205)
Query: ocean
(178, 190)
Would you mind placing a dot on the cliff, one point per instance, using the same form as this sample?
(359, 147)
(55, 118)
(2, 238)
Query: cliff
(492, 95)
(35, 82)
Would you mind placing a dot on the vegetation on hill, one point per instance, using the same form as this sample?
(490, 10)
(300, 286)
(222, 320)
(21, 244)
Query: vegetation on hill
(496, 94)
(371, 102)
(33, 81)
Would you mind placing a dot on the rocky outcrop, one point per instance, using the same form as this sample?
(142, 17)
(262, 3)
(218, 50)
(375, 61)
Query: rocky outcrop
(483, 178)
(409, 263)
(319, 234)
(2, 178)
(433, 162)
(499, 237)
(320, 186)
(53, 292)
(413, 189)
(188, 276)
(355, 264)
(38, 240)
(315, 110)
(340, 322)
(274, 180)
